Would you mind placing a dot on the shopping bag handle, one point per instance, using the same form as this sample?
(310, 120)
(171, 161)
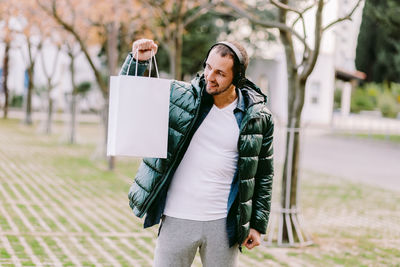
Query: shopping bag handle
(136, 69)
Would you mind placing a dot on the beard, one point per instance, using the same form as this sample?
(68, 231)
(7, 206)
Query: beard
(218, 91)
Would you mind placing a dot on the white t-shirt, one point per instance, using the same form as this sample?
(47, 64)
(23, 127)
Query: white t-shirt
(201, 184)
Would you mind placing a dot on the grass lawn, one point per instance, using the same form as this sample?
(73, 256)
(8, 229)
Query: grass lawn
(60, 204)
(379, 137)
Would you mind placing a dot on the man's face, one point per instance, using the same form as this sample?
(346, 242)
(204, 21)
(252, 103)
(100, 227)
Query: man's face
(218, 73)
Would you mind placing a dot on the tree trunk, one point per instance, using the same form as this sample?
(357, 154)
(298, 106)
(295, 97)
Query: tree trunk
(179, 42)
(291, 231)
(72, 135)
(112, 51)
(49, 113)
(5, 77)
(72, 129)
(28, 103)
(104, 114)
(112, 47)
(178, 56)
(172, 60)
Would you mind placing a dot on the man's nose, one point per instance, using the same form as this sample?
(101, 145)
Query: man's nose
(211, 76)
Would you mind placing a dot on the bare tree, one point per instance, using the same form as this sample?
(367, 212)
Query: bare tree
(91, 26)
(34, 45)
(4, 77)
(72, 53)
(298, 72)
(7, 10)
(51, 83)
(168, 23)
(30, 26)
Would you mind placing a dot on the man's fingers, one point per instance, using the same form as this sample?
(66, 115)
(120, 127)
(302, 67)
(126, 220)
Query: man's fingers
(252, 240)
(251, 245)
(144, 44)
(143, 49)
(245, 241)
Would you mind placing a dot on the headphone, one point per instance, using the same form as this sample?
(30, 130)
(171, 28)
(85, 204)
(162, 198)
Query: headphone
(239, 79)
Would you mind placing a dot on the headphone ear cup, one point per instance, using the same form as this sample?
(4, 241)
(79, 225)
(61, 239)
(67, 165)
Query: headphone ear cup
(241, 78)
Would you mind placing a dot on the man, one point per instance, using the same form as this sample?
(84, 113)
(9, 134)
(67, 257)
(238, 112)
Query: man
(213, 190)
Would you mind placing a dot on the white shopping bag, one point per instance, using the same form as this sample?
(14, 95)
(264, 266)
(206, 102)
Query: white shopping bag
(138, 116)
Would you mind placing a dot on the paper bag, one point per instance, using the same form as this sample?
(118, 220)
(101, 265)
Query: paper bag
(138, 116)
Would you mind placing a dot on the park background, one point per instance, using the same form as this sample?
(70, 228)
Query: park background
(63, 203)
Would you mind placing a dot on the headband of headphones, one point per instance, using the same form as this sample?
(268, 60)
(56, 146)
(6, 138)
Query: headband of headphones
(233, 48)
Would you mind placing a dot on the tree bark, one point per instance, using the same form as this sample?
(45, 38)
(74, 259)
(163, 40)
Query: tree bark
(72, 129)
(31, 72)
(178, 52)
(296, 89)
(112, 51)
(5, 77)
(178, 39)
(50, 85)
(49, 113)
(290, 179)
(28, 103)
(72, 134)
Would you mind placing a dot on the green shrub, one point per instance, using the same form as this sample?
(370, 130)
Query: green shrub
(396, 91)
(84, 87)
(16, 101)
(337, 98)
(388, 104)
(360, 100)
(373, 92)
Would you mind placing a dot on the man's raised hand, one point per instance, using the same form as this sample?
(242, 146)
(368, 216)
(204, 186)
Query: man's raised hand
(142, 48)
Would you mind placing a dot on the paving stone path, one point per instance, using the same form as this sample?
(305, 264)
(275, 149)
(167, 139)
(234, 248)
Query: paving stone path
(51, 220)
(56, 213)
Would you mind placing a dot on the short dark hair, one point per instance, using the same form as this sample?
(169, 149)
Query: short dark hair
(224, 51)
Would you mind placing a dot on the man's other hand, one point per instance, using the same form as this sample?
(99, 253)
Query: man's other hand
(253, 239)
(142, 48)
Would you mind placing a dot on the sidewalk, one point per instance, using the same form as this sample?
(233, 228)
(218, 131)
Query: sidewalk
(42, 116)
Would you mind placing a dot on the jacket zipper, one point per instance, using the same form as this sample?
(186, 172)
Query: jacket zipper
(157, 190)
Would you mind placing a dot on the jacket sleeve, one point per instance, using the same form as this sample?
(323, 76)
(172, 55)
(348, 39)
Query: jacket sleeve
(130, 64)
(263, 181)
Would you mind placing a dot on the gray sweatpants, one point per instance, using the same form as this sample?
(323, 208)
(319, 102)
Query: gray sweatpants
(179, 239)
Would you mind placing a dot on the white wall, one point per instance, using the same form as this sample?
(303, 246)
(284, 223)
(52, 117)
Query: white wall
(319, 88)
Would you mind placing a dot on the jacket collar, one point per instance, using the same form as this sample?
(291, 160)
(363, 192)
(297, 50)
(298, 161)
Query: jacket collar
(252, 94)
(240, 103)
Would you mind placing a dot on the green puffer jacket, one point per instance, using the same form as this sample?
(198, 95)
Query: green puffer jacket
(255, 163)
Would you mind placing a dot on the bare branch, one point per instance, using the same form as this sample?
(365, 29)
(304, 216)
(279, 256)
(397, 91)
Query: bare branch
(284, 6)
(312, 59)
(202, 10)
(302, 13)
(69, 28)
(157, 11)
(305, 51)
(55, 61)
(266, 24)
(46, 73)
(347, 17)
